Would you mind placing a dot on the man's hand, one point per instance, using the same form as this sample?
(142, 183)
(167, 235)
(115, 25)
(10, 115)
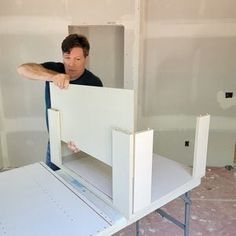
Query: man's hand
(61, 80)
(71, 145)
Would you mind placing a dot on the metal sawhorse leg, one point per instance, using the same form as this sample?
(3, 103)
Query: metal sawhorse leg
(185, 225)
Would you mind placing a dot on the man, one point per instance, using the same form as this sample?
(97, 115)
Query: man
(75, 51)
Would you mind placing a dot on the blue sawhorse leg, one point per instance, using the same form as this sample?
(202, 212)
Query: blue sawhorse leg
(185, 225)
(137, 228)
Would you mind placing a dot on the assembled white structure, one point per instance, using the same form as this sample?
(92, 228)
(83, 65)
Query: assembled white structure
(115, 181)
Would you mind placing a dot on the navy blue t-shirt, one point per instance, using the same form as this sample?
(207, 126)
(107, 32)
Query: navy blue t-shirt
(87, 78)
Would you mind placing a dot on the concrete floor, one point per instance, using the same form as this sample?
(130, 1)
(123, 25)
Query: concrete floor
(213, 209)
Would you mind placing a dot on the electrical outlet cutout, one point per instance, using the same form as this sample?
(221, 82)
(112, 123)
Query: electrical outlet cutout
(186, 143)
(229, 94)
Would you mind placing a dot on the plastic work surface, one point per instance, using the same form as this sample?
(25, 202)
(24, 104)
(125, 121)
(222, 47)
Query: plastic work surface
(169, 178)
(35, 202)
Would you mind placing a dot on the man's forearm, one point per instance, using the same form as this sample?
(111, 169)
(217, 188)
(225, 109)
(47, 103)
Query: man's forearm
(36, 72)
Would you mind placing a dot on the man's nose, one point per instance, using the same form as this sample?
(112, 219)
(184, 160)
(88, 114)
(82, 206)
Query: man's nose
(71, 62)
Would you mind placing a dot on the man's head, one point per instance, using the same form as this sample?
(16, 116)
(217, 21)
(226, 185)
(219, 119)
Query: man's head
(75, 49)
(75, 40)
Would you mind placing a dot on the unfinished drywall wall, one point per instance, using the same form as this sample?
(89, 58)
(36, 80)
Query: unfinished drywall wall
(187, 64)
(1, 133)
(1, 158)
(22, 101)
(32, 31)
(190, 61)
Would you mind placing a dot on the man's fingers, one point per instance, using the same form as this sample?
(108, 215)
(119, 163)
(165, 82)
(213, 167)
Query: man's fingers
(71, 145)
(76, 150)
(66, 84)
(61, 81)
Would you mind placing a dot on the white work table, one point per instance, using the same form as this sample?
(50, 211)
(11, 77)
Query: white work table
(167, 175)
(37, 201)
(34, 201)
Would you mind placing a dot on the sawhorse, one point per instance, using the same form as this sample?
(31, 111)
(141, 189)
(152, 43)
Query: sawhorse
(185, 225)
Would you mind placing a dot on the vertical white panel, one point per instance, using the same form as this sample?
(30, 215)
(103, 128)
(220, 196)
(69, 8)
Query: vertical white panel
(143, 169)
(200, 147)
(88, 114)
(122, 171)
(55, 136)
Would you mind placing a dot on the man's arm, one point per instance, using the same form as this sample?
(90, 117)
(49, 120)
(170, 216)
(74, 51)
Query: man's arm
(38, 72)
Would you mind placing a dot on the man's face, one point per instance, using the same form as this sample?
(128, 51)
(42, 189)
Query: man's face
(74, 62)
